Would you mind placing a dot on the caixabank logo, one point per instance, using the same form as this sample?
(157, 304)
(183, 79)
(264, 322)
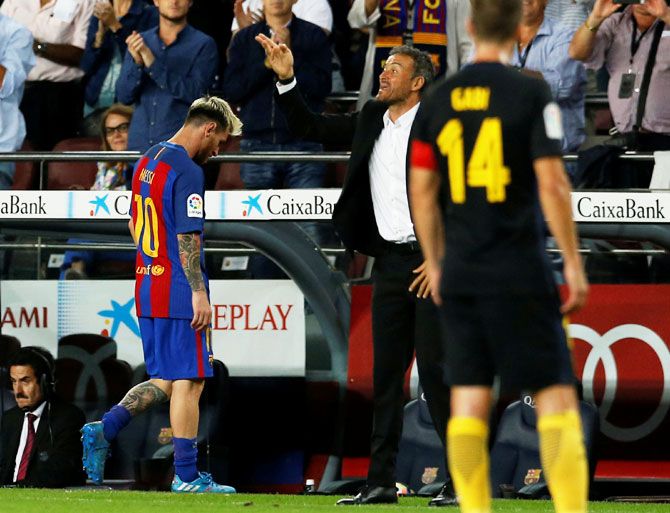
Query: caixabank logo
(109, 205)
(288, 205)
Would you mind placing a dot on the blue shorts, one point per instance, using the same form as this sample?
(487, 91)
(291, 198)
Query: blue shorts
(173, 350)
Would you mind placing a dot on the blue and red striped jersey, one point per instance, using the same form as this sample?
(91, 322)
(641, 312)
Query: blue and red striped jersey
(168, 199)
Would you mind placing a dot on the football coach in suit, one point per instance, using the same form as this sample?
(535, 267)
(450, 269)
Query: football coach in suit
(372, 217)
(40, 444)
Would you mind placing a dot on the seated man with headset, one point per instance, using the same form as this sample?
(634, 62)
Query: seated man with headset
(39, 440)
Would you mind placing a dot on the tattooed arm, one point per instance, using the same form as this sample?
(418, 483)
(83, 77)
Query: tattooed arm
(142, 397)
(189, 255)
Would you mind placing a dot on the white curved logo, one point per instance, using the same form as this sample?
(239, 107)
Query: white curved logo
(601, 351)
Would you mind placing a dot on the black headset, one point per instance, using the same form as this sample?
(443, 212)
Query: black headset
(47, 379)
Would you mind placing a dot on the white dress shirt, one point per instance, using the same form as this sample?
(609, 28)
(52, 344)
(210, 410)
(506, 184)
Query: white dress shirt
(16, 56)
(388, 175)
(388, 178)
(24, 435)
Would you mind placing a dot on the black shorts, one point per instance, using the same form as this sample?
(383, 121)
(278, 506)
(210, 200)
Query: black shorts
(518, 338)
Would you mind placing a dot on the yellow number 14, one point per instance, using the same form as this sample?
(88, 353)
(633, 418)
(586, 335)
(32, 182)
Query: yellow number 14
(485, 168)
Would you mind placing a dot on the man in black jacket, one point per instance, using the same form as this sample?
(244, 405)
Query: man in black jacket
(40, 436)
(372, 217)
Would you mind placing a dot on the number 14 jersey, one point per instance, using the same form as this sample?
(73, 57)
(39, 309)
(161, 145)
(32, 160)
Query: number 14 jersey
(481, 130)
(168, 199)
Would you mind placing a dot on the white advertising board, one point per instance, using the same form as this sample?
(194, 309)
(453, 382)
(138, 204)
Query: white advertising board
(258, 326)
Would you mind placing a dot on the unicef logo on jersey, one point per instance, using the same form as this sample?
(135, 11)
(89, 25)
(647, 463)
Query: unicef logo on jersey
(153, 270)
(194, 206)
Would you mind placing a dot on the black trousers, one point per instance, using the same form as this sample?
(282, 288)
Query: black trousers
(401, 324)
(53, 111)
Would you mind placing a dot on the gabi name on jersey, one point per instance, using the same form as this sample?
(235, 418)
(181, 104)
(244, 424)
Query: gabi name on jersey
(470, 98)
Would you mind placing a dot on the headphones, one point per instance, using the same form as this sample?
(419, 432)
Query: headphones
(47, 381)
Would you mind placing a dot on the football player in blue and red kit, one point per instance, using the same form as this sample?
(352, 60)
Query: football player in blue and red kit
(171, 292)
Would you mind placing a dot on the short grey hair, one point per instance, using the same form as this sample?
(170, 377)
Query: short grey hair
(423, 64)
(213, 108)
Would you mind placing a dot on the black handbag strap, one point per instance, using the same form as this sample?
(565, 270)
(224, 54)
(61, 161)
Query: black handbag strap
(646, 78)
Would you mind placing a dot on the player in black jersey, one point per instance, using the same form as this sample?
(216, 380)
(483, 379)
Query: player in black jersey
(486, 165)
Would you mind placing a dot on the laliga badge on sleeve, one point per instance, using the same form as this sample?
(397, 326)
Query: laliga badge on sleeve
(194, 205)
(552, 121)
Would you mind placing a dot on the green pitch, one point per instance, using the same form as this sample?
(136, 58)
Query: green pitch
(57, 501)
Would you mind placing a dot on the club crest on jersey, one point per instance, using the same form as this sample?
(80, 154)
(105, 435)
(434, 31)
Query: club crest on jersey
(154, 270)
(194, 206)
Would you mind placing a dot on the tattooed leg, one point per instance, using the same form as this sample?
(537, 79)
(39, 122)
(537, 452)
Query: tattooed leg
(142, 397)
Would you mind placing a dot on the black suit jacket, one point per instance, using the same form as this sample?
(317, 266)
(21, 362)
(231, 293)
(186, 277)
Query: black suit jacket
(353, 216)
(56, 458)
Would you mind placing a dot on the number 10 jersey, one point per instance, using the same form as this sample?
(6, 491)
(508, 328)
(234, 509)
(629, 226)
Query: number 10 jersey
(168, 199)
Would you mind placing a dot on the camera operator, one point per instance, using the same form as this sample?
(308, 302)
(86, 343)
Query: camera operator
(631, 42)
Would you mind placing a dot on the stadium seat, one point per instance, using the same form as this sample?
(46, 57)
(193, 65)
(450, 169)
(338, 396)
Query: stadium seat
(420, 461)
(73, 175)
(8, 346)
(144, 449)
(26, 176)
(515, 456)
(229, 172)
(89, 374)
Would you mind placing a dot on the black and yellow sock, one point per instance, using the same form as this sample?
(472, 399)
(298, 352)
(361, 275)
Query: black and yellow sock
(467, 439)
(564, 460)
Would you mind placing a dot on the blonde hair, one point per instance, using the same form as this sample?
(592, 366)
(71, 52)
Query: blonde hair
(213, 108)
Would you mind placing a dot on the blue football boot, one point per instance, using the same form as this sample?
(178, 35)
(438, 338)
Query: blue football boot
(96, 449)
(203, 484)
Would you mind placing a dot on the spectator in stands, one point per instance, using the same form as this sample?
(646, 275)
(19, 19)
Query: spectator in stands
(40, 444)
(16, 61)
(569, 14)
(372, 217)
(106, 45)
(621, 40)
(164, 70)
(628, 43)
(250, 83)
(111, 176)
(53, 100)
(427, 26)
(318, 12)
(248, 12)
(542, 46)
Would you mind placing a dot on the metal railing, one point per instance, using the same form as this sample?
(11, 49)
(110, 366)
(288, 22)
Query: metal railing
(44, 157)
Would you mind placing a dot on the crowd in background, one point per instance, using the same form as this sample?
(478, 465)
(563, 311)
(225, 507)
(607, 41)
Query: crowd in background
(64, 62)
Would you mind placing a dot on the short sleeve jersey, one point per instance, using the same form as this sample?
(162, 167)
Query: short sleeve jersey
(168, 199)
(481, 130)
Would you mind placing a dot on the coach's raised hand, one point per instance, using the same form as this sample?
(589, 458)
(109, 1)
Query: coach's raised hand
(278, 57)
